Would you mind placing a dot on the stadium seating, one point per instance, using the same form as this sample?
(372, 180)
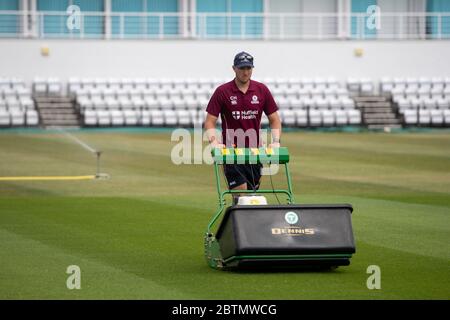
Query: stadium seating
(47, 87)
(17, 108)
(421, 101)
(146, 102)
(360, 86)
(303, 102)
(181, 102)
(313, 102)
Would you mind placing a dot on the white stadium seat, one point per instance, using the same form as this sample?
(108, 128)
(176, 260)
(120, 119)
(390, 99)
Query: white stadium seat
(5, 118)
(170, 117)
(192, 103)
(179, 84)
(347, 103)
(26, 103)
(165, 103)
(90, 118)
(151, 103)
(291, 93)
(301, 117)
(23, 92)
(145, 118)
(131, 117)
(335, 103)
(366, 86)
(32, 118)
(308, 102)
(125, 103)
(88, 83)
(294, 83)
(322, 103)
(191, 84)
(98, 103)
(353, 85)
(54, 86)
(112, 104)
(443, 103)
(282, 102)
(437, 116)
(424, 116)
(17, 117)
(140, 83)
(95, 93)
(137, 102)
(354, 116)
(447, 116)
(386, 88)
(315, 117)
(316, 93)
(103, 118)
(179, 103)
(425, 83)
(166, 84)
(126, 84)
(288, 117)
(157, 117)
(183, 117)
(410, 116)
(295, 103)
(307, 83)
(9, 93)
(152, 83)
(13, 103)
(117, 118)
(341, 117)
(429, 103)
(327, 117)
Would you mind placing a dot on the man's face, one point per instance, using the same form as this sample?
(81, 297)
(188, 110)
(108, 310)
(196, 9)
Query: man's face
(243, 74)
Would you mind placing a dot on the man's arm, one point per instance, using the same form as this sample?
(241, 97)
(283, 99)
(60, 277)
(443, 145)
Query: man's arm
(275, 128)
(211, 132)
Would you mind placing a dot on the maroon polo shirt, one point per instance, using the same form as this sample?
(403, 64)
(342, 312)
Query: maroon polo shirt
(241, 113)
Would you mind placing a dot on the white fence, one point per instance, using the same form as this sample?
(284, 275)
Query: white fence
(277, 26)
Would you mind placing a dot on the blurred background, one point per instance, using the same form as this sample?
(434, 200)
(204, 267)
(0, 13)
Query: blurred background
(329, 63)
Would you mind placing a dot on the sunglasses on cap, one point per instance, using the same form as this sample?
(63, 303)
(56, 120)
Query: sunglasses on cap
(246, 57)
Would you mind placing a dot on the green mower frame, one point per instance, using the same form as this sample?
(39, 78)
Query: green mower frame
(241, 156)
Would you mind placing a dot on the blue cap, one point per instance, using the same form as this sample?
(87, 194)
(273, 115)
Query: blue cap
(243, 59)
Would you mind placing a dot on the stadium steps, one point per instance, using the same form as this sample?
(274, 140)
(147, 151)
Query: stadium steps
(56, 111)
(378, 112)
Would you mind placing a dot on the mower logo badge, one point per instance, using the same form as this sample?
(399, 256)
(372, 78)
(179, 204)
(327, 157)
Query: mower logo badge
(291, 217)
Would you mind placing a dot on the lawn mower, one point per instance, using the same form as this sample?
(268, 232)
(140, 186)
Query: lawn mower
(254, 234)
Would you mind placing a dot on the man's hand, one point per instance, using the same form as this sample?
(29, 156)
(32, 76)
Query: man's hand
(216, 144)
(274, 145)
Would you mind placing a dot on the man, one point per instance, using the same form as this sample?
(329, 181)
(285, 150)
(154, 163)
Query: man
(240, 104)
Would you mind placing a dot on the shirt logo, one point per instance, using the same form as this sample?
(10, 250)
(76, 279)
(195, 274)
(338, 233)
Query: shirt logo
(255, 100)
(233, 100)
(245, 115)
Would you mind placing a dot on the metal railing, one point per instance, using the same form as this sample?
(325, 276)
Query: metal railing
(277, 26)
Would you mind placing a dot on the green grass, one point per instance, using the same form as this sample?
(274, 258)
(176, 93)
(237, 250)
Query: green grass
(139, 235)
